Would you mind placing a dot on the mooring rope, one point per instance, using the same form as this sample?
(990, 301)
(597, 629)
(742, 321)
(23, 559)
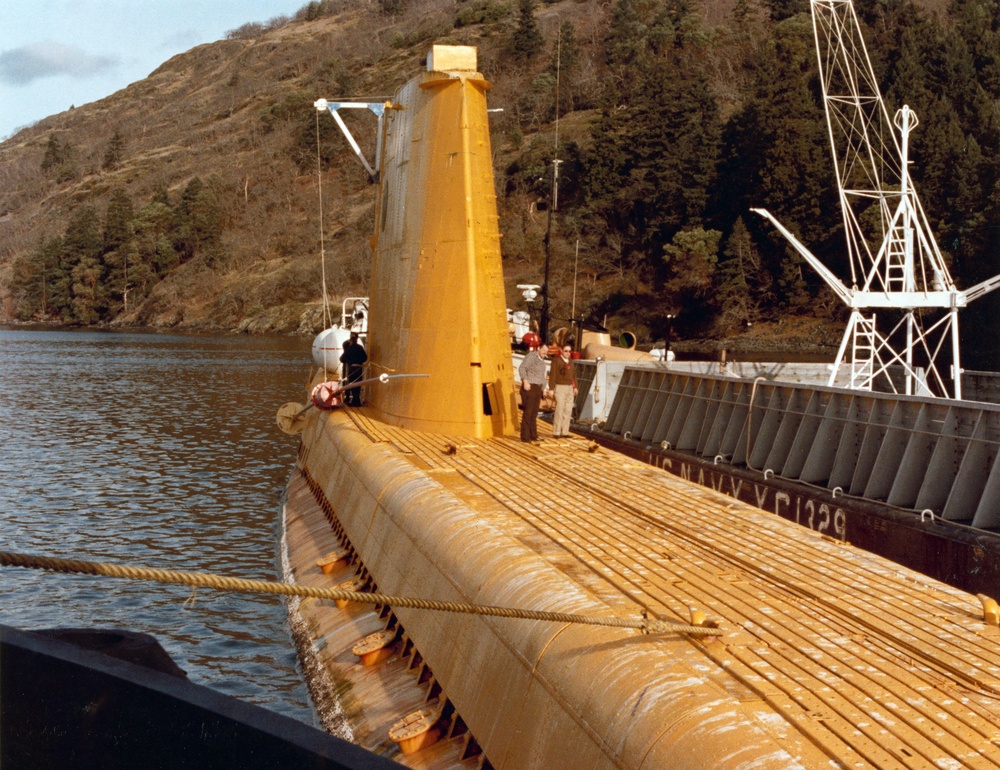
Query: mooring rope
(241, 585)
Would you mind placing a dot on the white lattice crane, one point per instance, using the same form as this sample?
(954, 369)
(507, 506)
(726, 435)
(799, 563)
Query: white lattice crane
(894, 259)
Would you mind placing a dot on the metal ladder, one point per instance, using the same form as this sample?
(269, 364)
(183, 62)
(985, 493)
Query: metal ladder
(895, 260)
(863, 353)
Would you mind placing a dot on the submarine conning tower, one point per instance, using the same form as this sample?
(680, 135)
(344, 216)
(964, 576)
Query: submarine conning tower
(437, 296)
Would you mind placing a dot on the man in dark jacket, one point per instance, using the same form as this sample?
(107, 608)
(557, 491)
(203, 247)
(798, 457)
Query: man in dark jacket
(353, 360)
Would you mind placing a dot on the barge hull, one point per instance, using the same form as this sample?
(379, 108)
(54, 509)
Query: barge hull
(914, 479)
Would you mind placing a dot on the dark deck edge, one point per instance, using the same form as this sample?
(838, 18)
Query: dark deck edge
(62, 706)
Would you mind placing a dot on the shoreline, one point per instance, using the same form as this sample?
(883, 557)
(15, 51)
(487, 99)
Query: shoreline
(740, 346)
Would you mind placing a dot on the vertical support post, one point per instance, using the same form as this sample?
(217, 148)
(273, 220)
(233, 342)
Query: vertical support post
(909, 281)
(956, 364)
(470, 245)
(543, 327)
(910, 321)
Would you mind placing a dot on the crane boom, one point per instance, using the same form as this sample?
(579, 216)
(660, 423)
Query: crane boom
(894, 259)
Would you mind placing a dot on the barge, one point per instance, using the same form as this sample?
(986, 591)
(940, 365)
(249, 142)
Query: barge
(911, 478)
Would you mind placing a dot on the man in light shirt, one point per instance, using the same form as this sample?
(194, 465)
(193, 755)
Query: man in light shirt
(562, 381)
(532, 372)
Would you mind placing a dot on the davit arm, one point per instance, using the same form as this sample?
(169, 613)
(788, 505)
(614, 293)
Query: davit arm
(832, 281)
(981, 289)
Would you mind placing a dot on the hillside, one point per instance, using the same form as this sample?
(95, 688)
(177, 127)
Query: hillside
(237, 114)
(197, 188)
(225, 113)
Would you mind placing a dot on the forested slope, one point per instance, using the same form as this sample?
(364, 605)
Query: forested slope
(193, 194)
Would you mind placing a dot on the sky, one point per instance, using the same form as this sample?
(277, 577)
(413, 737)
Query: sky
(55, 54)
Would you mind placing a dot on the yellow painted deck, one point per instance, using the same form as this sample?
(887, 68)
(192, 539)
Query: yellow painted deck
(828, 656)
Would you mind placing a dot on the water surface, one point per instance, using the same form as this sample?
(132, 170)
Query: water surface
(158, 450)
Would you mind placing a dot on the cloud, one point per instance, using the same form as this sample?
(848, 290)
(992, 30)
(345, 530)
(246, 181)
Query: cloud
(21, 66)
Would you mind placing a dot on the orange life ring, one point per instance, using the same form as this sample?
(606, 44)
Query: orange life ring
(327, 395)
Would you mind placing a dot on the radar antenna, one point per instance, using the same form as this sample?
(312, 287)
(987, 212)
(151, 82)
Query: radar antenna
(894, 259)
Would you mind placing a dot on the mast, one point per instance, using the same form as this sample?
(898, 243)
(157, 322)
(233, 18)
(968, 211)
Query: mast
(543, 326)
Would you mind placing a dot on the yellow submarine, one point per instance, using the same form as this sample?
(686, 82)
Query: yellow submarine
(756, 643)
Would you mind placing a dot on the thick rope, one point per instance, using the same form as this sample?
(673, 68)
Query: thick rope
(240, 585)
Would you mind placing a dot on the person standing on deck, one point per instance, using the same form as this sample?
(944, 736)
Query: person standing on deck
(532, 372)
(353, 359)
(562, 381)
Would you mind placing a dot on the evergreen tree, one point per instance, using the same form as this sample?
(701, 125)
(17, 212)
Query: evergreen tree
(120, 250)
(777, 157)
(156, 252)
(675, 149)
(90, 295)
(208, 220)
(743, 286)
(906, 73)
(626, 53)
(793, 295)
(54, 154)
(527, 41)
(26, 284)
(119, 225)
(606, 165)
(61, 287)
(564, 64)
(953, 150)
(978, 23)
(691, 256)
(779, 10)
(31, 277)
(537, 105)
(77, 291)
(198, 222)
(691, 260)
(653, 163)
(59, 160)
(625, 42)
(567, 50)
(655, 152)
(50, 256)
(116, 151)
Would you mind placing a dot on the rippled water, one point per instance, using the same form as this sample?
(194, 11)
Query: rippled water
(159, 450)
